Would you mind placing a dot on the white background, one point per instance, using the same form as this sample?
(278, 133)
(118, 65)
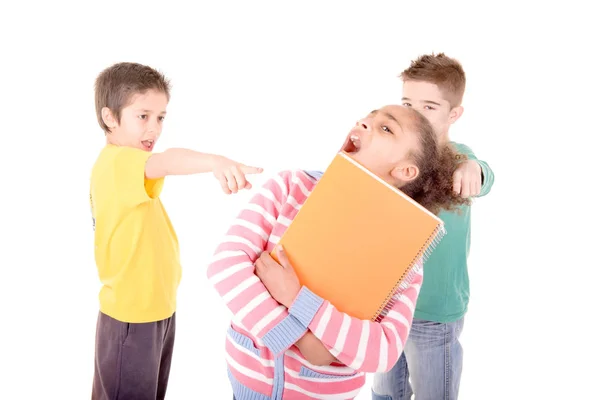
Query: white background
(278, 85)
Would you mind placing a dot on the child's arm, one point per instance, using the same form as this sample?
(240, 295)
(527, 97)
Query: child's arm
(232, 270)
(311, 348)
(362, 345)
(231, 174)
(314, 350)
(474, 177)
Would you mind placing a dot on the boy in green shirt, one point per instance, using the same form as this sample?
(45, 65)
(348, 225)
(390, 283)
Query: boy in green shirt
(434, 85)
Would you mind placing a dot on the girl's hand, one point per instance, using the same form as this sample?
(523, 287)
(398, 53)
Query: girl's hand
(280, 279)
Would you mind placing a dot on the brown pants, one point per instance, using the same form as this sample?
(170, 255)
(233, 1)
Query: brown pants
(132, 361)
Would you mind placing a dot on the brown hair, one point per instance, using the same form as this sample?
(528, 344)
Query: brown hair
(115, 86)
(432, 188)
(445, 72)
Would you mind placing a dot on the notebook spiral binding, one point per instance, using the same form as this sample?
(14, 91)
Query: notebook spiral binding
(403, 283)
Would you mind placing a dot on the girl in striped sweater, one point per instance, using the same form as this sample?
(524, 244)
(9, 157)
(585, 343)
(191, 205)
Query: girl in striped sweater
(284, 341)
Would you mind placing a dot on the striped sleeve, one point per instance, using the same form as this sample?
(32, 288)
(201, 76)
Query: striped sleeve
(231, 270)
(362, 345)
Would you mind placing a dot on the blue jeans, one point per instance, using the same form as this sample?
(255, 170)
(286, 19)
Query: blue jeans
(432, 357)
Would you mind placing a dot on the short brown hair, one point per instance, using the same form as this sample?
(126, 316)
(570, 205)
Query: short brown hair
(116, 85)
(432, 188)
(445, 72)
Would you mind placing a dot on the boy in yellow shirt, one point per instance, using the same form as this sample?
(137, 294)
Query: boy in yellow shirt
(136, 248)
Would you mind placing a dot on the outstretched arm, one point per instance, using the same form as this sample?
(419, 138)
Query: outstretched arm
(231, 174)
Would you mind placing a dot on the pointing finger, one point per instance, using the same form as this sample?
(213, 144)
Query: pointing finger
(250, 170)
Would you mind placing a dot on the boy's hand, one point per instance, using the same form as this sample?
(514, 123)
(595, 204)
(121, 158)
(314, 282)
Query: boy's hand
(232, 175)
(280, 280)
(467, 179)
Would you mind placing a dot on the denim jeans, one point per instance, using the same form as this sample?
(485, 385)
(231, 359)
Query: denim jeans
(432, 358)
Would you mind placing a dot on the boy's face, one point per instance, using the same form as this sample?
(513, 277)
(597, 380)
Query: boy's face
(427, 99)
(141, 121)
(383, 142)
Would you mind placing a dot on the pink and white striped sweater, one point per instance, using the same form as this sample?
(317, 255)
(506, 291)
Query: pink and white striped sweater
(263, 362)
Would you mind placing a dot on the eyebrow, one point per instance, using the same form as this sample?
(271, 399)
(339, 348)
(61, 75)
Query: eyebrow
(424, 101)
(390, 116)
(150, 111)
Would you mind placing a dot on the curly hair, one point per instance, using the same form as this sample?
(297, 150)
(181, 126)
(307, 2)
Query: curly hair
(432, 188)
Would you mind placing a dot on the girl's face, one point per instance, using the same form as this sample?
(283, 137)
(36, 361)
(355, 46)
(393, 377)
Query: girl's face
(384, 142)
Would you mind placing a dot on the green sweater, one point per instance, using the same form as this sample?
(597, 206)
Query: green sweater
(444, 296)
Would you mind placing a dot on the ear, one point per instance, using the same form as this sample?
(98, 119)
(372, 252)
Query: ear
(455, 114)
(405, 173)
(108, 118)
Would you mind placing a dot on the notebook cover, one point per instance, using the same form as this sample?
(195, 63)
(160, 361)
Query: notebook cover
(356, 238)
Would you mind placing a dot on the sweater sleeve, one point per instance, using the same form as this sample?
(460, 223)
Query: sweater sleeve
(231, 271)
(362, 345)
(487, 174)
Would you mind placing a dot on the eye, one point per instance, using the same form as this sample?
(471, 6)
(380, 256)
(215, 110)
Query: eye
(143, 116)
(386, 129)
(429, 108)
(161, 118)
(407, 104)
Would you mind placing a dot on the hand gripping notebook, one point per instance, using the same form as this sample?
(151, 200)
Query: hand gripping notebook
(356, 240)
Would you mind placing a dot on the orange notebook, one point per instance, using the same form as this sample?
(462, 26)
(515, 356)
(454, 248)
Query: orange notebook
(356, 239)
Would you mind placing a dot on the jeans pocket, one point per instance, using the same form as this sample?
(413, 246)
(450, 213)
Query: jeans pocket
(127, 330)
(375, 396)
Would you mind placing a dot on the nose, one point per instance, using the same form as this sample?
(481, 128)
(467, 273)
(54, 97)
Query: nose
(154, 127)
(364, 124)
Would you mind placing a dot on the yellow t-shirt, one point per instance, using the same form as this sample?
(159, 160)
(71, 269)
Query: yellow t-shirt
(136, 248)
